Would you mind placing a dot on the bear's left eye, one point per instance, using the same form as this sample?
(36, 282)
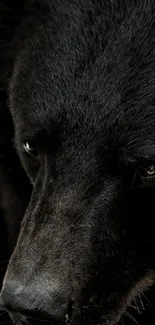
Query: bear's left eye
(150, 172)
(139, 177)
(29, 147)
(146, 176)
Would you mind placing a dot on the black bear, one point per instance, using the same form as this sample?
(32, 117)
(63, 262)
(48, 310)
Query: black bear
(77, 131)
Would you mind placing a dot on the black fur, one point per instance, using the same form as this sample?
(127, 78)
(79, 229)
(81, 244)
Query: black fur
(79, 80)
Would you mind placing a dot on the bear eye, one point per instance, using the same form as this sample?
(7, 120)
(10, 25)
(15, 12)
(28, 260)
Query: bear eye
(150, 171)
(30, 148)
(139, 177)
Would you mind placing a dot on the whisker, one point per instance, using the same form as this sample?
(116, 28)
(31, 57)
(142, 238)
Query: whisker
(131, 317)
(142, 294)
(141, 302)
(136, 305)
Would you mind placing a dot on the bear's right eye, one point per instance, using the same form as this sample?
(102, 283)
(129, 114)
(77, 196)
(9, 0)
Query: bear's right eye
(30, 148)
(139, 177)
(150, 171)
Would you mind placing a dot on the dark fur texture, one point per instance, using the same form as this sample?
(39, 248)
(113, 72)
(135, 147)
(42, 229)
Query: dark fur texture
(80, 85)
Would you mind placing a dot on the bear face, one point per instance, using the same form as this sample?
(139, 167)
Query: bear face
(81, 97)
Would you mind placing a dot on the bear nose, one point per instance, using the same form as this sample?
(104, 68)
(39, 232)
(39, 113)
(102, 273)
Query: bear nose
(33, 305)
